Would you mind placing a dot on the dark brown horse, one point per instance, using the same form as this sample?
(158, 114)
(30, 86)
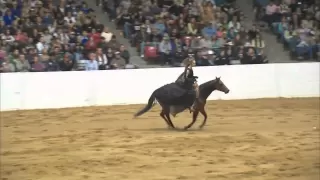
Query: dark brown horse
(182, 103)
(205, 90)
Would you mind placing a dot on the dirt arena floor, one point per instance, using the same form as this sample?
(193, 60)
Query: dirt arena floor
(266, 139)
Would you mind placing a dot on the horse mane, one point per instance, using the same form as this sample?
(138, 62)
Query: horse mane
(207, 84)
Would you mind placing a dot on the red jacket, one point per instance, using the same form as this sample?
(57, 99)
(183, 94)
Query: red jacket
(91, 45)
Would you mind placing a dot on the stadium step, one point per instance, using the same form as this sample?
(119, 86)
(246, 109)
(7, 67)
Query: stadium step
(274, 50)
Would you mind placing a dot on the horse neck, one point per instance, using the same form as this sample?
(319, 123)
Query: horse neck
(206, 91)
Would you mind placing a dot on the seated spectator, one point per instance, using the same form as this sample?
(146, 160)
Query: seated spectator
(124, 53)
(258, 43)
(160, 26)
(165, 50)
(113, 43)
(21, 64)
(209, 30)
(7, 37)
(69, 19)
(92, 64)
(222, 59)
(196, 43)
(206, 42)
(6, 66)
(251, 57)
(67, 64)
(8, 17)
(41, 45)
(194, 11)
(253, 32)
(44, 56)
(91, 45)
(102, 59)
(37, 66)
(202, 59)
(237, 41)
(21, 37)
(118, 62)
(207, 12)
(231, 33)
(272, 13)
(192, 27)
(234, 23)
(182, 29)
(52, 65)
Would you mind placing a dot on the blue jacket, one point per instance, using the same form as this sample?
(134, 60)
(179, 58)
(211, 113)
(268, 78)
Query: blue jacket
(8, 19)
(161, 27)
(209, 31)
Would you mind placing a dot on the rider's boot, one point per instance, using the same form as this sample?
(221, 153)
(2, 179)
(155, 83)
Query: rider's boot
(194, 106)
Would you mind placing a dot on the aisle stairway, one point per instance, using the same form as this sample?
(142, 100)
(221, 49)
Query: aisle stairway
(274, 49)
(103, 18)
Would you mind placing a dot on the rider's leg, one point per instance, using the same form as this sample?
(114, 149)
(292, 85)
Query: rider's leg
(194, 105)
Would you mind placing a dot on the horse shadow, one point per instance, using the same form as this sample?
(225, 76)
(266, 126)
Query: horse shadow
(178, 130)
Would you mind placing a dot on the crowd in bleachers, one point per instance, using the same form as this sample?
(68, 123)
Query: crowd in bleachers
(65, 35)
(56, 35)
(167, 32)
(295, 23)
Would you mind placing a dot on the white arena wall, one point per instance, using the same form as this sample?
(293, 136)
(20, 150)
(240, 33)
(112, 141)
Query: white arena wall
(22, 91)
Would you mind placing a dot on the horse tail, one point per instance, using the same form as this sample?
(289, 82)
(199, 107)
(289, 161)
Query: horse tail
(151, 103)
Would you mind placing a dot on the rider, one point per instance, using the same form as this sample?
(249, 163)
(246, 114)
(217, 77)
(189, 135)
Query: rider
(188, 77)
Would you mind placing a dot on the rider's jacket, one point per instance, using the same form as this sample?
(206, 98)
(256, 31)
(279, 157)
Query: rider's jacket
(186, 78)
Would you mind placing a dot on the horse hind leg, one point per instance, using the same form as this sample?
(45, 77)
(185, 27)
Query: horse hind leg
(162, 114)
(167, 114)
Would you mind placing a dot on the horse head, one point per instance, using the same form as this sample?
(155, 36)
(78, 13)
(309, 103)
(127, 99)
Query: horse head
(220, 86)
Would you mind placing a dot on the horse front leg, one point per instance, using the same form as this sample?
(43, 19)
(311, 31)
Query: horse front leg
(203, 112)
(194, 118)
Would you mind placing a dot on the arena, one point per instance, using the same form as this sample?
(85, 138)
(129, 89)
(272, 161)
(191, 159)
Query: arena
(264, 139)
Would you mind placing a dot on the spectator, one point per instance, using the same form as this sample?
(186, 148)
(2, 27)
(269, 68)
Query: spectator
(92, 63)
(118, 62)
(102, 59)
(22, 65)
(106, 34)
(222, 59)
(192, 27)
(41, 45)
(209, 30)
(8, 18)
(196, 42)
(124, 53)
(66, 64)
(37, 66)
(258, 43)
(52, 65)
(271, 13)
(7, 66)
(113, 43)
(165, 50)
